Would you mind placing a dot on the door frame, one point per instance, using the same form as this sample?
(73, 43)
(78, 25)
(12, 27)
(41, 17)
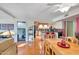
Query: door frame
(25, 30)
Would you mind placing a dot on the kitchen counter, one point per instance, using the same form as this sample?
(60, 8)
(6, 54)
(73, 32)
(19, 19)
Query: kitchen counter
(56, 50)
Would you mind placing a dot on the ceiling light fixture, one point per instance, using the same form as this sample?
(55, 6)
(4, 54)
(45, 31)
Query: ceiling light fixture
(64, 9)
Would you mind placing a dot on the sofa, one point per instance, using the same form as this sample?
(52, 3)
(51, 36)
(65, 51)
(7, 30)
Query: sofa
(8, 47)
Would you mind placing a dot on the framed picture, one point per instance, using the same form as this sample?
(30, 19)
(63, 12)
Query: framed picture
(7, 26)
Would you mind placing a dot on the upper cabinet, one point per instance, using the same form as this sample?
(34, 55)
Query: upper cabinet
(58, 25)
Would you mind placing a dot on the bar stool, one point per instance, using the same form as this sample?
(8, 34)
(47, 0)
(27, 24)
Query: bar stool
(75, 40)
(46, 35)
(72, 40)
(69, 39)
(53, 35)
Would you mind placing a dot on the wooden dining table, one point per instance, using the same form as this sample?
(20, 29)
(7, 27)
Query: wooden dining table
(72, 50)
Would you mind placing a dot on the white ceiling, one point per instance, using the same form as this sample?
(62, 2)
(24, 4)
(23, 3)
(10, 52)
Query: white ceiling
(32, 11)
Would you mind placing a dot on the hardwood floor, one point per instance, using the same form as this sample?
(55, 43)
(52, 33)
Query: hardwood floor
(33, 48)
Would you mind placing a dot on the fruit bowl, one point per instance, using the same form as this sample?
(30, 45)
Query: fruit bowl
(63, 45)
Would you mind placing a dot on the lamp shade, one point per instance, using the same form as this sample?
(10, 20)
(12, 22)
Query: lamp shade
(40, 26)
(46, 27)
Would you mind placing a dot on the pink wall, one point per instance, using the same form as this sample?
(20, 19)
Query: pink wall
(77, 24)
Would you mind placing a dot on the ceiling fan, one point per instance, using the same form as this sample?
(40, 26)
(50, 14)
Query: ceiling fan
(62, 7)
(65, 8)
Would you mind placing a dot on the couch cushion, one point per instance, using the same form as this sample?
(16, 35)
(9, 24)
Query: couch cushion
(4, 44)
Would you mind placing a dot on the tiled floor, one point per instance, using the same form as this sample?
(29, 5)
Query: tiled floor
(32, 48)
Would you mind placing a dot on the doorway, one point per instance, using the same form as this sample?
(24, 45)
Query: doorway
(21, 36)
(21, 31)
